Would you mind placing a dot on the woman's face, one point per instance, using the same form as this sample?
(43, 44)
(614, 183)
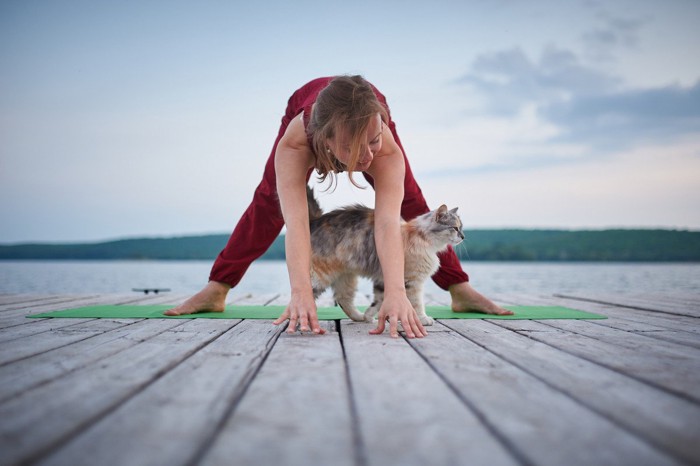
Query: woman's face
(373, 144)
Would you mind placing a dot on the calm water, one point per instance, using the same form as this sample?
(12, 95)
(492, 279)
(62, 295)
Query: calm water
(265, 277)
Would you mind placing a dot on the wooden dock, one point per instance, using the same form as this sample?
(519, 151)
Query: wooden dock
(621, 391)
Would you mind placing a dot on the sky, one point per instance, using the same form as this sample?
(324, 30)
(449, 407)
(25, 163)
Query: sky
(130, 119)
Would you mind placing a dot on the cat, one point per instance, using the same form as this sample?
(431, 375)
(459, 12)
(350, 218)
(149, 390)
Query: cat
(343, 248)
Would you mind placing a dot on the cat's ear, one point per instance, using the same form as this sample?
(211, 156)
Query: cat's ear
(442, 210)
(454, 211)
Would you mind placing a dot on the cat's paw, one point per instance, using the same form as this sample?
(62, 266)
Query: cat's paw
(357, 316)
(370, 314)
(426, 320)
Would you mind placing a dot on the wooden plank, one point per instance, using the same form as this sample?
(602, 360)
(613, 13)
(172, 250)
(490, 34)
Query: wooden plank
(326, 299)
(678, 337)
(18, 377)
(20, 326)
(65, 333)
(544, 426)
(173, 419)
(666, 321)
(638, 326)
(21, 376)
(235, 296)
(431, 299)
(34, 327)
(671, 328)
(262, 299)
(675, 297)
(18, 316)
(668, 422)
(675, 329)
(632, 303)
(679, 297)
(44, 302)
(296, 410)
(278, 300)
(9, 300)
(444, 299)
(406, 414)
(671, 367)
(41, 419)
(15, 350)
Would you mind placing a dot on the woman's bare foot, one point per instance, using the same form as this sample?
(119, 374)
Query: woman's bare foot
(212, 298)
(467, 299)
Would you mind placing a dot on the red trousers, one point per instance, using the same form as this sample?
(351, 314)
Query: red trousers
(262, 221)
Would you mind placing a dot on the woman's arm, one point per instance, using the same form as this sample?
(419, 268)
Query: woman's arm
(293, 159)
(388, 171)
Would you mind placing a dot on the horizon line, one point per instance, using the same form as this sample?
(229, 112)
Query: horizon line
(191, 235)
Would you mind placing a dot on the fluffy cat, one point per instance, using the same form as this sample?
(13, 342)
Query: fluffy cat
(343, 248)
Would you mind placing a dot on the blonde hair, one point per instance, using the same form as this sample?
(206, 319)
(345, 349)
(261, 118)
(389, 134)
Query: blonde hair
(345, 107)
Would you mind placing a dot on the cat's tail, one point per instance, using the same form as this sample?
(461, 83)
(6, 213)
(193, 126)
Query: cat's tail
(314, 209)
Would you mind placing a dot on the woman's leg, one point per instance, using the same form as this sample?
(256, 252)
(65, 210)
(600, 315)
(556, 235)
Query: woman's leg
(255, 232)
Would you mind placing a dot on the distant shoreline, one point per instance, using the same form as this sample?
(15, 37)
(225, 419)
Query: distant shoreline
(262, 259)
(512, 245)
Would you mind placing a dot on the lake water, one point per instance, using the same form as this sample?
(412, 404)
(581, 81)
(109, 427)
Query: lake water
(266, 277)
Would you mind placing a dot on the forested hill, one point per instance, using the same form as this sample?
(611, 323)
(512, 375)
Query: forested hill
(489, 245)
(582, 245)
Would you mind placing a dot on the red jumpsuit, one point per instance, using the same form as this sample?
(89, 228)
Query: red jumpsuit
(262, 221)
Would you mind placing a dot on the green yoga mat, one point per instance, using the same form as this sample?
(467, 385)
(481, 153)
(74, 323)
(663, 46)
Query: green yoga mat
(324, 313)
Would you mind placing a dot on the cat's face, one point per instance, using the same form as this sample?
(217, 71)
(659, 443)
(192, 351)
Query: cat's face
(447, 225)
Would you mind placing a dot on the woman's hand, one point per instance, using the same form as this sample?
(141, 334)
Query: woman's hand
(302, 311)
(397, 308)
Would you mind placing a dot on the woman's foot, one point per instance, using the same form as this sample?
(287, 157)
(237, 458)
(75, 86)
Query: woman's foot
(212, 298)
(467, 299)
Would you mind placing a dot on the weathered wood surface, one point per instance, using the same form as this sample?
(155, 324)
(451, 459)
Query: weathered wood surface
(168, 392)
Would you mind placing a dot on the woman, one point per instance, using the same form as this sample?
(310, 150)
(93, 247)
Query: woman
(333, 125)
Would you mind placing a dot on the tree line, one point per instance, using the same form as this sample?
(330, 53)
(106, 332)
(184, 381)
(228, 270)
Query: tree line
(624, 245)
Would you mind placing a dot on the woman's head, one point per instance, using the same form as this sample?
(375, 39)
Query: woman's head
(346, 124)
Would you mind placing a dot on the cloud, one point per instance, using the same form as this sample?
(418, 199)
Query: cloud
(587, 105)
(619, 119)
(612, 35)
(509, 79)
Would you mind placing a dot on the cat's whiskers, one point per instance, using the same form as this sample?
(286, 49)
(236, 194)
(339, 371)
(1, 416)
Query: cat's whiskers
(462, 247)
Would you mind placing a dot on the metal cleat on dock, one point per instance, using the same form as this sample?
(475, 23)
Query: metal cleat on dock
(150, 290)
